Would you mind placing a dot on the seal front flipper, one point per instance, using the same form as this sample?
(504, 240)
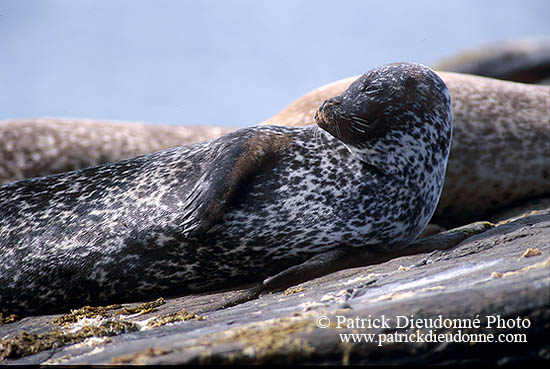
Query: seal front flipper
(225, 168)
(346, 257)
(319, 265)
(351, 257)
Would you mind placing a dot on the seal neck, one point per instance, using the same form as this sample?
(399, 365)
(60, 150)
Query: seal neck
(403, 155)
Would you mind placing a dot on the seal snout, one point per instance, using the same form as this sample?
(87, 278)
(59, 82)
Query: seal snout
(327, 110)
(334, 116)
(327, 114)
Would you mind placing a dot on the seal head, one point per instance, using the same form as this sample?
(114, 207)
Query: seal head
(392, 116)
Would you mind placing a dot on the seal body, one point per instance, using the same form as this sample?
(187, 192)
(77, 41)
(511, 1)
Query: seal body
(39, 147)
(240, 208)
(524, 60)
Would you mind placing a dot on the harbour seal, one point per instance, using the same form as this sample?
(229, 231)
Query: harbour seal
(240, 208)
(39, 147)
(524, 60)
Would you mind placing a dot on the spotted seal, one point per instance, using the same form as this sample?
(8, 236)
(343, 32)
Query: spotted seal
(39, 147)
(239, 208)
(524, 60)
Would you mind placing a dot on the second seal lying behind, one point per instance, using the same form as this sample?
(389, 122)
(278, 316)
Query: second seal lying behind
(240, 208)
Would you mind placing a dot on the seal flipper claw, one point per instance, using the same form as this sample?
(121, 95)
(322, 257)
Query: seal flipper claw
(230, 165)
(317, 266)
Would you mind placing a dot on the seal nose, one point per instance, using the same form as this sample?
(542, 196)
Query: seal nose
(325, 116)
(327, 107)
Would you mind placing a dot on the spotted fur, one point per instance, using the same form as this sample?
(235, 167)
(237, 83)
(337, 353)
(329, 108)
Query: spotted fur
(232, 210)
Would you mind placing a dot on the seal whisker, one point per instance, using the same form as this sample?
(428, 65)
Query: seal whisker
(355, 128)
(316, 134)
(359, 122)
(320, 137)
(356, 117)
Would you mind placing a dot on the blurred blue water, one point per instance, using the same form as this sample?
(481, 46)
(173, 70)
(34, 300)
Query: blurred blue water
(223, 62)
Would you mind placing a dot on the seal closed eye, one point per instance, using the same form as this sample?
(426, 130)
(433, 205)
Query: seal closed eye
(254, 203)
